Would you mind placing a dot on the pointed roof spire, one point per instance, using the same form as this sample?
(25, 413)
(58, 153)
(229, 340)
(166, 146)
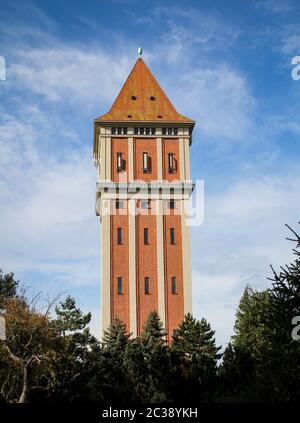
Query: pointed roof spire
(142, 99)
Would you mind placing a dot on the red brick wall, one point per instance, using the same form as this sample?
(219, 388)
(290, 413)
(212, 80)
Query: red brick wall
(170, 145)
(146, 265)
(146, 255)
(173, 267)
(119, 145)
(147, 145)
(119, 265)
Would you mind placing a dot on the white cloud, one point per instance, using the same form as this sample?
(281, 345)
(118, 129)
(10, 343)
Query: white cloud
(47, 221)
(243, 232)
(274, 6)
(47, 204)
(290, 43)
(73, 74)
(219, 99)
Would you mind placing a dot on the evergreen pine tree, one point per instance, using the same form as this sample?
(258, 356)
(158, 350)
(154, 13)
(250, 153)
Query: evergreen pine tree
(153, 331)
(107, 379)
(8, 287)
(116, 337)
(195, 345)
(147, 362)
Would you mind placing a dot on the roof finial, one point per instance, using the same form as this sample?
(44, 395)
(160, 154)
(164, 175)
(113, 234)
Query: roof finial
(140, 51)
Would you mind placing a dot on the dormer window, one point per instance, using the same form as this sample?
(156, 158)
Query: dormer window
(170, 131)
(120, 162)
(146, 163)
(144, 131)
(118, 130)
(171, 163)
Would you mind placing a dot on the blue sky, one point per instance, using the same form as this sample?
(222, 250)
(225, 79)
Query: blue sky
(225, 64)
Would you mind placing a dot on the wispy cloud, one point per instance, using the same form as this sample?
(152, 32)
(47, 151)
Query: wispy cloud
(243, 232)
(219, 99)
(275, 6)
(56, 86)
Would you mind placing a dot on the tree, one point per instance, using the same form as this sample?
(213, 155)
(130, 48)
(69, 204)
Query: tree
(153, 331)
(196, 347)
(107, 379)
(8, 287)
(69, 318)
(73, 349)
(116, 338)
(264, 351)
(285, 302)
(147, 362)
(236, 375)
(30, 336)
(254, 322)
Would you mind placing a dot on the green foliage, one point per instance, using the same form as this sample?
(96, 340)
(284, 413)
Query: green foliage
(8, 287)
(55, 358)
(70, 318)
(196, 348)
(147, 362)
(153, 333)
(254, 323)
(263, 362)
(116, 338)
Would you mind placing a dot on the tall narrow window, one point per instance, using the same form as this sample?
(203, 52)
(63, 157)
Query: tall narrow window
(147, 287)
(146, 163)
(175, 333)
(171, 162)
(120, 285)
(172, 236)
(119, 204)
(174, 285)
(164, 131)
(172, 204)
(119, 162)
(146, 236)
(119, 236)
(145, 204)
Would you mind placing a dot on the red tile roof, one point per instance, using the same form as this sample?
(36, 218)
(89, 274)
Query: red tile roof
(142, 99)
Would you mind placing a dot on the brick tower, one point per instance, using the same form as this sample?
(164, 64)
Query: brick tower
(141, 150)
